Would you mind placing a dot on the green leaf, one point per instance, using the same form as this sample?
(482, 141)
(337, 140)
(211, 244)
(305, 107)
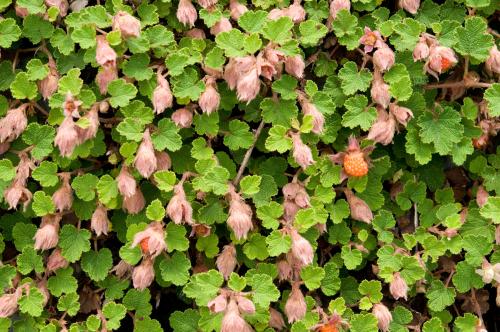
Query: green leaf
(231, 42)
(165, 180)
(155, 210)
(63, 282)
(32, 302)
(23, 235)
(492, 95)
(22, 87)
(278, 140)
(443, 130)
(473, 39)
(269, 214)
(184, 321)
(137, 67)
(107, 189)
(69, 303)
(131, 129)
(33, 6)
(358, 113)
(312, 276)
(29, 261)
(372, 289)
(439, 296)
(239, 136)
(330, 284)
(114, 313)
(286, 86)
(256, 247)
(278, 112)
(73, 242)
(352, 257)
(41, 138)
(147, 325)
(84, 186)
(121, 92)
(491, 209)
(363, 323)
(407, 34)
(97, 264)
(352, 80)
(42, 204)
(278, 243)
(252, 21)
(175, 269)
(204, 286)
(8, 171)
(433, 325)
(250, 184)
(187, 85)
(346, 29)
(9, 32)
(36, 69)
(36, 28)
(264, 290)
(71, 82)
(466, 278)
(311, 32)
(139, 301)
(278, 31)
(176, 238)
(85, 36)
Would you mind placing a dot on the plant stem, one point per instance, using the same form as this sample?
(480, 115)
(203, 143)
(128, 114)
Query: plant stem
(460, 84)
(246, 159)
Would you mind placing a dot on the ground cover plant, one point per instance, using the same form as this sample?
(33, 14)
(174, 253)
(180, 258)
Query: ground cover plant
(263, 166)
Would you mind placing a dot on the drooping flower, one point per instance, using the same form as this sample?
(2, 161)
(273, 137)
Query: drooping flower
(56, 261)
(248, 85)
(15, 193)
(233, 321)
(245, 305)
(301, 248)
(126, 182)
(179, 209)
(63, 197)
(440, 59)
(210, 99)
(236, 9)
(296, 12)
(380, 90)
(360, 211)
(99, 222)
(135, 203)
(276, 320)
(295, 306)
(402, 114)
(383, 129)
(222, 25)
(383, 315)
(219, 303)
(8, 303)
(122, 269)
(492, 63)
(107, 73)
(337, 5)
(421, 50)
(310, 109)
(295, 65)
(186, 13)
(384, 58)
(195, 33)
(240, 215)
(284, 270)
(163, 161)
(482, 196)
(301, 152)
(151, 240)
(411, 6)
(398, 287)
(226, 261)
(48, 86)
(143, 274)
(162, 95)
(104, 54)
(183, 117)
(13, 124)
(47, 236)
(67, 137)
(207, 3)
(371, 39)
(145, 159)
(128, 25)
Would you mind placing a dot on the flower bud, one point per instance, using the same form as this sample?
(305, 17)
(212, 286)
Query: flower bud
(245, 305)
(233, 321)
(122, 269)
(337, 5)
(13, 124)
(67, 137)
(144, 274)
(276, 319)
(487, 272)
(90, 131)
(135, 203)
(179, 209)
(16, 193)
(24, 168)
(226, 261)
(440, 59)
(382, 131)
(301, 152)
(128, 25)
(295, 306)
(183, 118)
(295, 65)
(56, 261)
(266, 68)
(107, 73)
(310, 109)
(162, 95)
(195, 33)
(236, 9)
(296, 12)
(104, 54)
(151, 240)
(411, 6)
(398, 287)
(186, 13)
(248, 85)
(371, 39)
(276, 13)
(301, 248)
(145, 159)
(285, 271)
(290, 210)
(384, 58)
(380, 91)
(421, 50)
(163, 161)
(99, 222)
(236, 67)
(383, 315)
(481, 196)
(360, 211)
(8, 303)
(207, 3)
(492, 63)
(63, 197)
(240, 215)
(48, 86)
(222, 25)
(218, 304)
(402, 114)
(47, 236)
(126, 182)
(210, 99)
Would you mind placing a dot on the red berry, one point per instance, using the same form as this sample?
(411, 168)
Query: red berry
(355, 164)
(145, 245)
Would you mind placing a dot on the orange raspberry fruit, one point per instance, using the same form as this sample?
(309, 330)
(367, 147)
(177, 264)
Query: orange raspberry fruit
(355, 164)
(328, 328)
(145, 245)
(445, 64)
